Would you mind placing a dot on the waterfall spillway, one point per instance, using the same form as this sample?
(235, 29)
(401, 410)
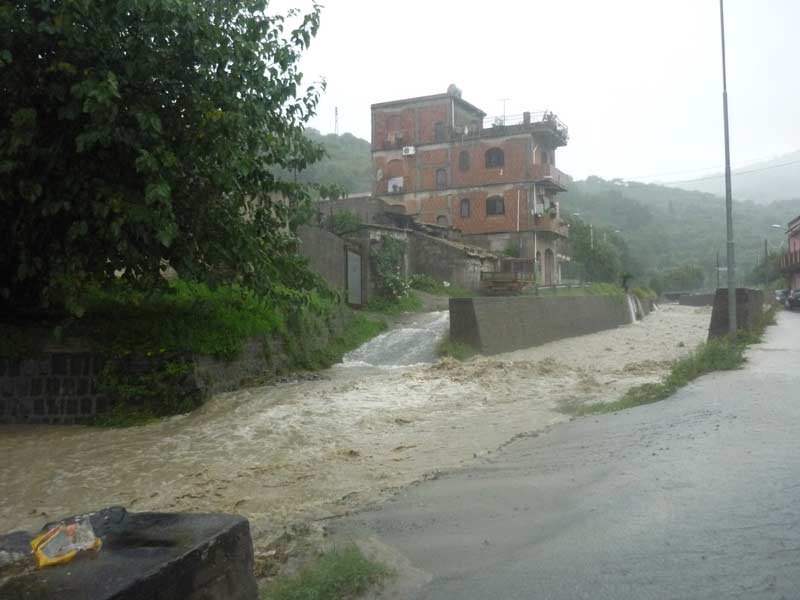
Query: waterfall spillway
(409, 343)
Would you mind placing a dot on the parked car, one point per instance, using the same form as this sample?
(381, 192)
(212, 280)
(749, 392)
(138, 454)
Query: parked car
(780, 296)
(793, 300)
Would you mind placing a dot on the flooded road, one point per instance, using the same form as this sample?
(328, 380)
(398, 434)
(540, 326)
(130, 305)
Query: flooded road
(382, 419)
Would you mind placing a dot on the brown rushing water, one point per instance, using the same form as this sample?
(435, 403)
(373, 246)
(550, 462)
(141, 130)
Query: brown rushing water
(283, 453)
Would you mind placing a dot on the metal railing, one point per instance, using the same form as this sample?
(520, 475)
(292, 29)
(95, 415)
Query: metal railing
(542, 116)
(790, 260)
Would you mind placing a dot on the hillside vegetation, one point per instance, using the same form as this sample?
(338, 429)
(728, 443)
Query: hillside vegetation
(665, 227)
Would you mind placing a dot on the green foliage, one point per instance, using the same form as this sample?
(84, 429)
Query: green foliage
(343, 223)
(340, 573)
(644, 293)
(139, 134)
(512, 249)
(347, 163)
(389, 261)
(594, 289)
(188, 318)
(426, 283)
(597, 254)
(395, 306)
(456, 350)
(683, 278)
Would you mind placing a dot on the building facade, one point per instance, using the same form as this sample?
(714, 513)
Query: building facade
(440, 160)
(790, 262)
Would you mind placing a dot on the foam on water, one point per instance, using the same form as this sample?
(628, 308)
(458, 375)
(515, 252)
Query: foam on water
(408, 344)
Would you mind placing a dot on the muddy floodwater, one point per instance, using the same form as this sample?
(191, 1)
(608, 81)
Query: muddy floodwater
(387, 416)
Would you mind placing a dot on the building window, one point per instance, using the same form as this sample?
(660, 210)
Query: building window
(441, 179)
(441, 220)
(495, 205)
(463, 160)
(464, 208)
(438, 131)
(494, 158)
(545, 157)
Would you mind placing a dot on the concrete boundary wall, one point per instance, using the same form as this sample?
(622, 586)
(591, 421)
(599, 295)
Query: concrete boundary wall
(501, 324)
(749, 311)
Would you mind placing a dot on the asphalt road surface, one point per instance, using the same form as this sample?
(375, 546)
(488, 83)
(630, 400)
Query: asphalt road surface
(697, 496)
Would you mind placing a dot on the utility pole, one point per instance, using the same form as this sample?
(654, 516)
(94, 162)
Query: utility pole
(336, 120)
(728, 199)
(717, 269)
(766, 273)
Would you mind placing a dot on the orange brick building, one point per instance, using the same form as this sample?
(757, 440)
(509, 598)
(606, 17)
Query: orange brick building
(438, 159)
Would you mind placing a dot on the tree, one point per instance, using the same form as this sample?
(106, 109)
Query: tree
(682, 279)
(137, 133)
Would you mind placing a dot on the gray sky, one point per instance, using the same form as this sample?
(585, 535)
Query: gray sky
(638, 82)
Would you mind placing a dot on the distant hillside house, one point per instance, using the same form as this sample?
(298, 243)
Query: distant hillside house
(790, 262)
(439, 159)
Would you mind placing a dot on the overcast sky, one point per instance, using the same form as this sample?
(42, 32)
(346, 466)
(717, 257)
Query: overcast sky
(638, 82)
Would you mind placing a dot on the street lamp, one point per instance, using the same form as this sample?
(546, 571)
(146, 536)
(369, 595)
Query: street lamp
(728, 198)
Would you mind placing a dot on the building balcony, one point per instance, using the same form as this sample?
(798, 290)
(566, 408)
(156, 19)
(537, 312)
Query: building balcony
(549, 221)
(549, 176)
(791, 261)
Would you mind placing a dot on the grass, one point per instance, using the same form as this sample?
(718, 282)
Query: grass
(594, 289)
(339, 574)
(426, 283)
(395, 306)
(457, 350)
(360, 330)
(722, 354)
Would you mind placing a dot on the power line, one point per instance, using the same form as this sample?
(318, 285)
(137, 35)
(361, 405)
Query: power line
(686, 171)
(738, 173)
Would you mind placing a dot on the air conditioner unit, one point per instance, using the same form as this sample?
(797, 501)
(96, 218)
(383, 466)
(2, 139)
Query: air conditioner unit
(408, 150)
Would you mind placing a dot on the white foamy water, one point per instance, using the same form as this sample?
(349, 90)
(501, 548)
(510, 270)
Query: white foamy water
(408, 344)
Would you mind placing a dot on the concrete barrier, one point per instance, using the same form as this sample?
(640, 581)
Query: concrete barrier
(749, 311)
(696, 299)
(160, 556)
(501, 324)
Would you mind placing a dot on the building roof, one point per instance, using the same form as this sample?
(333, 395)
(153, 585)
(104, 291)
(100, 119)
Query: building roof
(456, 99)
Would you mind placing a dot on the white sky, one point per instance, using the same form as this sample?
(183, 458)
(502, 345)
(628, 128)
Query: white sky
(638, 82)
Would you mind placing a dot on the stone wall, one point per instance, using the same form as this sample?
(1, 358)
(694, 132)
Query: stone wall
(449, 261)
(56, 387)
(62, 387)
(325, 253)
(501, 324)
(749, 311)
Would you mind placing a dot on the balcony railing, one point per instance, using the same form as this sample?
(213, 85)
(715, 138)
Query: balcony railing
(550, 173)
(791, 261)
(538, 120)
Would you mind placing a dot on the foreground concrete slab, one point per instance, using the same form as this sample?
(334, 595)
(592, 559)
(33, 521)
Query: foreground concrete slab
(155, 556)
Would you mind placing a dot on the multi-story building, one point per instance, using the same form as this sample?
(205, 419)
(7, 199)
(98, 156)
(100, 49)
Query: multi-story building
(440, 160)
(790, 262)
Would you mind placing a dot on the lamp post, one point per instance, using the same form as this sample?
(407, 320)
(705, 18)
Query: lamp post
(728, 199)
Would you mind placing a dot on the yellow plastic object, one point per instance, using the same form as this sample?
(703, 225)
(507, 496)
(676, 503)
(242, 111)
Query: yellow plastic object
(60, 544)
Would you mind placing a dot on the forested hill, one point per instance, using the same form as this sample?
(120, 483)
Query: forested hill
(348, 163)
(665, 227)
(762, 183)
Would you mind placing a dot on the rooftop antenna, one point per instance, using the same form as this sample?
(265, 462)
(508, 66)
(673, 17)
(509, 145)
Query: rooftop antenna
(336, 120)
(503, 100)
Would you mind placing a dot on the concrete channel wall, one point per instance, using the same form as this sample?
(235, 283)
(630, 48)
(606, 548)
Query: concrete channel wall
(501, 324)
(749, 311)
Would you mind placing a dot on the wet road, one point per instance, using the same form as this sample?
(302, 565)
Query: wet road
(697, 496)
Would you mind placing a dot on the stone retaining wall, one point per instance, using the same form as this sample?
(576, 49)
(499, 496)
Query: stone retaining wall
(501, 324)
(62, 387)
(58, 387)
